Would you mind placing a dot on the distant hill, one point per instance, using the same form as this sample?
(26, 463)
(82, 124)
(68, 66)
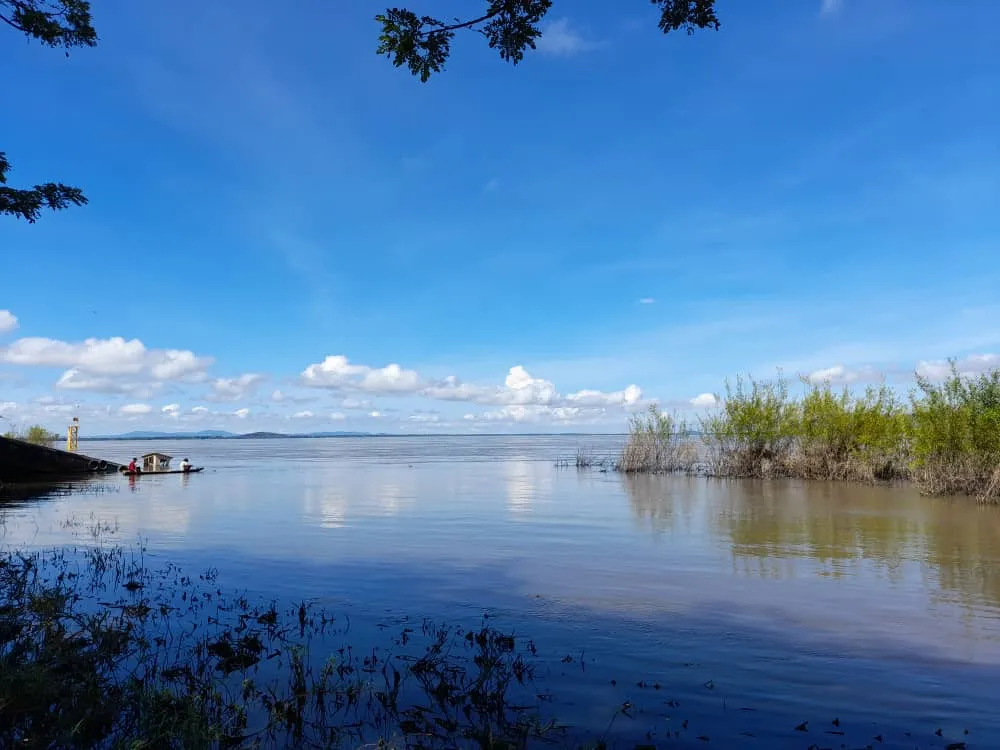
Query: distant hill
(221, 435)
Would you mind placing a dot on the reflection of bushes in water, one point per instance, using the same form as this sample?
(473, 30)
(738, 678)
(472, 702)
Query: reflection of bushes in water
(174, 663)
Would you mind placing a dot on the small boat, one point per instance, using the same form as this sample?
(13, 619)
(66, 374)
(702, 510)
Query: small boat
(158, 463)
(193, 470)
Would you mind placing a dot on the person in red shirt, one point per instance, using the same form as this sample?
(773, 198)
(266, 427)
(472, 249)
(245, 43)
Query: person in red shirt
(131, 466)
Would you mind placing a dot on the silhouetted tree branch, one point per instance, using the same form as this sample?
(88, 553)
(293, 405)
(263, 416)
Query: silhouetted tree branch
(54, 23)
(423, 43)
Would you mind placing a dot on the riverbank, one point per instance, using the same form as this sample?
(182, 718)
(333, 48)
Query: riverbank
(944, 438)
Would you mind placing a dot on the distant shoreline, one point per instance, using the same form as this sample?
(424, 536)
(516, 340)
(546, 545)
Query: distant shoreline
(314, 436)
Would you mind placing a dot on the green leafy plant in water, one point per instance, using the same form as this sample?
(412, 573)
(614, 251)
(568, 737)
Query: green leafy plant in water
(657, 442)
(842, 436)
(956, 434)
(753, 432)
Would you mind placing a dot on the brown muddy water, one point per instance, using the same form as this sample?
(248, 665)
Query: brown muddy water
(727, 610)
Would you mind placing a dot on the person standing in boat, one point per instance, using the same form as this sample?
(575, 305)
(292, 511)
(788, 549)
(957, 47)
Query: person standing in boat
(132, 468)
(185, 465)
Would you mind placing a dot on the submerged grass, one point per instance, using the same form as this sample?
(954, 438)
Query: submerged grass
(945, 437)
(99, 651)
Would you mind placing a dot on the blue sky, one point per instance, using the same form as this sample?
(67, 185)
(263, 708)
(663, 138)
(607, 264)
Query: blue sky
(814, 187)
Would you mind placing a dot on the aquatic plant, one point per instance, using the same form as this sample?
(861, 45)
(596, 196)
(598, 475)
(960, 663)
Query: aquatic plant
(657, 442)
(753, 431)
(838, 435)
(956, 435)
(98, 650)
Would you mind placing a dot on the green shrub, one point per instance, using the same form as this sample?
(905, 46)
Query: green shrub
(753, 433)
(843, 436)
(35, 434)
(956, 435)
(657, 442)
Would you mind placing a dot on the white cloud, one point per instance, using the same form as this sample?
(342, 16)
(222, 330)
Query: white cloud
(647, 301)
(520, 387)
(242, 413)
(199, 410)
(136, 409)
(974, 364)
(375, 415)
(631, 396)
(171, 410)
(234, 389)
(560, 38)
(278, 396)
(76, 380)
(535, 413)
(338, 416)
(303, 415)
(7, 406)
(704, 401)
(113, 365)
(424, 418)
(337, 372)
(8, 321)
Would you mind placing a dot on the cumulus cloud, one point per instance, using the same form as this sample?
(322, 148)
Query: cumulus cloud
(338, 416)
(704, 401)
(519, 388)
(8, 321)
(234, 389)
(77, 380)
(303, 415)
(974, 364)
(113, 365)
(136, 409)
(199, 410)
(278, 396)
(172, 410)
(242, 413)
(337, 372)
(561, 39)
(7, 406)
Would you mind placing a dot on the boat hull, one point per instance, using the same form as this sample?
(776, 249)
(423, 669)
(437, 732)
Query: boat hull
(21, 461)
(128, 473)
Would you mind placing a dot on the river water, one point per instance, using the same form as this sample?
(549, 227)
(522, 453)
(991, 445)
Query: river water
(755, 606)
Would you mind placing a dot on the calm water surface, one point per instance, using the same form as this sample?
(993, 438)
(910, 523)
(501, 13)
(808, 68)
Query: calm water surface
(799, 601)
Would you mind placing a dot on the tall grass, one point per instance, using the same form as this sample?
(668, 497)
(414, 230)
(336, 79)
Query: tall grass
(945, 436)
(657, 442)
(956, 435)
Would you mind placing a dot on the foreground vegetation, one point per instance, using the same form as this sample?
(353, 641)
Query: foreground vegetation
(945, 436)
(35, 434)
(99, 650)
